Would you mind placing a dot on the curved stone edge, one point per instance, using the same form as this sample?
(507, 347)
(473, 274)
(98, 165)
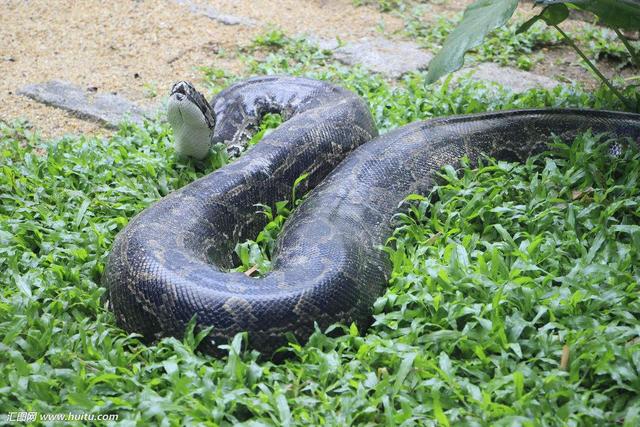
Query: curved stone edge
(105, 108)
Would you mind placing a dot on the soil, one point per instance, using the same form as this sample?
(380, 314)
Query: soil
(138, 48)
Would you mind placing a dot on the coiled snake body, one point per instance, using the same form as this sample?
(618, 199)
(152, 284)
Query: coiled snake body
(169, 263)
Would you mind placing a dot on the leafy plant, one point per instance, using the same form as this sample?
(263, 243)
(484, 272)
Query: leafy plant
(478, 20)
(274, 38)
(485, 15)
(502, 46)
(269, 122)
(613, 13)
(603, 43)
(150, 89)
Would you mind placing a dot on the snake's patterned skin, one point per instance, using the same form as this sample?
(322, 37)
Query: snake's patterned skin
(168, 264)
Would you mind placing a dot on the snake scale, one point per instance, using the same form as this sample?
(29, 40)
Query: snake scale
(171, 261)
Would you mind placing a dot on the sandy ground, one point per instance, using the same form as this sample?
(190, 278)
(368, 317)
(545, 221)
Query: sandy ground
(138, 48)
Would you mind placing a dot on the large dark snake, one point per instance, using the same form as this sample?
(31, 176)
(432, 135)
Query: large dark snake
(170, 263)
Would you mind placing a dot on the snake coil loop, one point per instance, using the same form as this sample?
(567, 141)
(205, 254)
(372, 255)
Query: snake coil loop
(169, 263)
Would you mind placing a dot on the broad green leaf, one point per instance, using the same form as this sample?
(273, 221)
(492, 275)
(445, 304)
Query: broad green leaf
(403, 371)
(630, 229)
(445, 363)
(437, 409)
(632, 416)
(551, 15)
(478, 20)
(518, 381)
(555, 14)
(415, 197)
(614, 13)
(81, 212)
(283, 410)
(23, 285)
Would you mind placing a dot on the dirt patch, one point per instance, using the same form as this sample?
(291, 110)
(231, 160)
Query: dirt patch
(565, 64)
(139, 48)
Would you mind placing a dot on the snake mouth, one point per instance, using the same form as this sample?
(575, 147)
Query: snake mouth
(184, 91)
(182, 87)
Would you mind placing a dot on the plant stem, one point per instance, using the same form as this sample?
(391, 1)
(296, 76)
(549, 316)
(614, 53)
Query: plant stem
(604, 80)
(632, 51)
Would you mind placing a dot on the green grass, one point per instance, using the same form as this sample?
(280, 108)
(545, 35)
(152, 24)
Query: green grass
(508, 265)
(257, 254)
(501, 267)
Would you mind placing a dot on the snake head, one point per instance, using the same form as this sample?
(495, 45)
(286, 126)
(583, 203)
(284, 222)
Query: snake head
(192, 120)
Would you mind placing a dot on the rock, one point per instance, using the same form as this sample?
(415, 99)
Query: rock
(391, 58)
(328, 44)
(105, 108)
(322, 43)
(212, 13)
(516, 80)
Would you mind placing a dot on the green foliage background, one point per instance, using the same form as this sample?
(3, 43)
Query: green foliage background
(494, 273)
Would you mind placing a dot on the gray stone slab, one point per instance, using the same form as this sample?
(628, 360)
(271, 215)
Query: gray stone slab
(391, 58)
(212, 13)
(516, 80)
(104, 108)
(322, 43)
